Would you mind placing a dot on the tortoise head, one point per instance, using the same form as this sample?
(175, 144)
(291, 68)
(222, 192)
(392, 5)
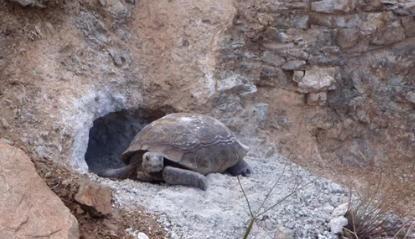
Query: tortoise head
(152, 162)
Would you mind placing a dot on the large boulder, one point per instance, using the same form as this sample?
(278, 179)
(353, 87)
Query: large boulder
(28, 208)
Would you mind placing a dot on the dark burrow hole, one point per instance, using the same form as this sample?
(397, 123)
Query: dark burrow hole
(111, 134)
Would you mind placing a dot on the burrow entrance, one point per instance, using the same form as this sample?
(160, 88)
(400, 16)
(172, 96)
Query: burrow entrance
(111, 134)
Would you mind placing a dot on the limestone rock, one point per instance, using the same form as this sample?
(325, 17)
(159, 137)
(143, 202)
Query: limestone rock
(374, 21)
(4, 123)
(340, 210)
(336, 224)
(401, 7)
(394, 32)
(315, 79)
(348, 37)
(5, 141)
(319, 98)
(30, 3)
(95, 197)
(142, 235)
(294, 65)
(331, 6)
(119, 58)
(260, 113)
(116, 8)
(370, 5)
(271, 77)
(137, 234)
(272, 58)
(28, 208)
(409, 26)
(283, 233)
(236, 83)
(410, 96)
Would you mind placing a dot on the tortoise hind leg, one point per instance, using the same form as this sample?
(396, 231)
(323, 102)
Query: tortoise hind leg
(241, 168)
(178, 176)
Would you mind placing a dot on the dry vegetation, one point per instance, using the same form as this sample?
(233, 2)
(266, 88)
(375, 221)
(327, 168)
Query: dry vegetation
(373, 212)
(255, 214)
(393, 181)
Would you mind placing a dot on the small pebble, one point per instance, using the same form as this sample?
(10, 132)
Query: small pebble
(142, 235)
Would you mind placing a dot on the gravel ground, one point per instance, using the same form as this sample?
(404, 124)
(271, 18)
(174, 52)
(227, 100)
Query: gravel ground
(222, 211)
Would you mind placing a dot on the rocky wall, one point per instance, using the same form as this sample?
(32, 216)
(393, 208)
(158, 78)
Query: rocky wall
(326, 81)
(71, 62)
(336, 78)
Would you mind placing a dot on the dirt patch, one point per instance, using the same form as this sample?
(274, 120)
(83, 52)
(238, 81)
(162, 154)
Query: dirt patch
(118, 225)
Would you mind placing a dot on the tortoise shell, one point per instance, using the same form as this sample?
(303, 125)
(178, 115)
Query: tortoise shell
(197, 142)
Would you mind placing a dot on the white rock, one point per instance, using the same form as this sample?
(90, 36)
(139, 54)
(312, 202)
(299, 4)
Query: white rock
(283, 233)
(331, 6)
(316, 79)
(336, 224)
(410, 96)
(294, 65)
(298, 75)
(142, 235)
(32, 3)
(236, 83)
(319, 98)
(340, 210)
(328, 208)
(4, 123)
(272, 58)
(116, 8)
(137, 234)
(335, 188)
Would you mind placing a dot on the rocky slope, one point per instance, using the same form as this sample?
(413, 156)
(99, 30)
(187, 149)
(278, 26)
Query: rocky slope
(332, 81)
(328, 83)
(338, 74)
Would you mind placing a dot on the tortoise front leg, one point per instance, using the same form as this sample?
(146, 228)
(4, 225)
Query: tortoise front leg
(178, 176)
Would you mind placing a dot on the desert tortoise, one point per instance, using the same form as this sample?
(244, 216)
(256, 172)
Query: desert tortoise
(182, 148)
